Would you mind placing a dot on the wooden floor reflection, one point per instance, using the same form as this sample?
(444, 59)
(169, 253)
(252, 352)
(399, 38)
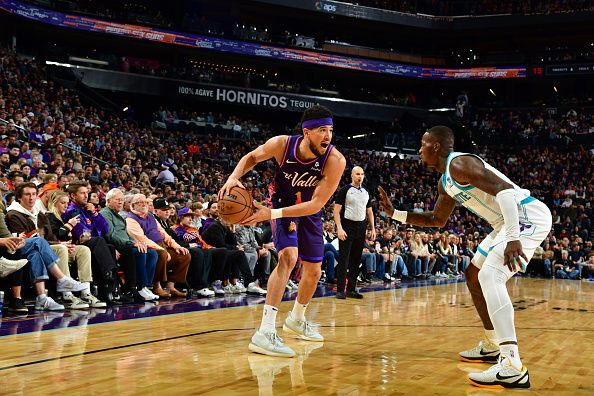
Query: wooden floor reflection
(395, 342)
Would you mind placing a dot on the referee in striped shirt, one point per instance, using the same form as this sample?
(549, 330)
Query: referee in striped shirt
(351, 208)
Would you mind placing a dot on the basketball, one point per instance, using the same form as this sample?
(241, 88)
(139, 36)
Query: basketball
(236, 206)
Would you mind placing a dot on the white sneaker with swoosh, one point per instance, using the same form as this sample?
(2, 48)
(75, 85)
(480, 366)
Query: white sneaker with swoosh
(484, 352)
(501, 375)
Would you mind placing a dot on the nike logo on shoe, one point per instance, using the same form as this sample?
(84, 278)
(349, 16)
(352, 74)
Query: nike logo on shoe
(506, 377)
(482, 352)
(290, 162)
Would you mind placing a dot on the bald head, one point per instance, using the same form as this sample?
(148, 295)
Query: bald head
(443, 135)
(437, 143)
(357, 176)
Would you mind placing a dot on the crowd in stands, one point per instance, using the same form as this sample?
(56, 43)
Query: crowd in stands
(136, 212)
(532, 127)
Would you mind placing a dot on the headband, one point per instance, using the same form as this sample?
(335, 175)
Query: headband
(316, 123)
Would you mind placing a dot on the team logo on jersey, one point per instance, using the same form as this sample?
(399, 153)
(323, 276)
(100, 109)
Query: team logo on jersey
(292, 227)
(302, 180)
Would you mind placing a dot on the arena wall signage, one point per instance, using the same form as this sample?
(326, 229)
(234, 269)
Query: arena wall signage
(251, 49)
(427, 21)
(557, 70)
(187, 90)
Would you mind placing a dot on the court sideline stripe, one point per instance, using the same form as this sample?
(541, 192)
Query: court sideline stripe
(225, 330)
(285, 299)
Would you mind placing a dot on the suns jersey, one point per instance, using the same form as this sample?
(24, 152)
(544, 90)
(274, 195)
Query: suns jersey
(295, 180)
(479, 202)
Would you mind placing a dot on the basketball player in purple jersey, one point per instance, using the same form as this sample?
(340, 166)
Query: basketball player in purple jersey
(308, 172)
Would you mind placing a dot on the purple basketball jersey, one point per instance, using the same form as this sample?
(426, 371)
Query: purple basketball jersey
(295, 180)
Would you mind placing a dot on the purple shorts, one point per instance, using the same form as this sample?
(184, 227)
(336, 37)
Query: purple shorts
(305, 233)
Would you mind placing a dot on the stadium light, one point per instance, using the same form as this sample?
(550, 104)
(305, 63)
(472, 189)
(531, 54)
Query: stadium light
(555, 88)
(492, 92)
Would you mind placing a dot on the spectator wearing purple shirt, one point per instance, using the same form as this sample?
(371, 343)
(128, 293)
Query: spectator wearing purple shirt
(90, 231)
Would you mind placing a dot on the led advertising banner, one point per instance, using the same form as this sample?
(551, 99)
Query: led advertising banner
(251, 49)
(202, 92)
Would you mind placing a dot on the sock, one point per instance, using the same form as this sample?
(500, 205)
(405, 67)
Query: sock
(268, 323)
(491, 336)
(501, 310)
(298, 312)
(511, 351)
(87, 285)
(41, 297)
(67, 294)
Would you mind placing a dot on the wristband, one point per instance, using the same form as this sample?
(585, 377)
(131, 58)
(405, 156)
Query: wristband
(400, 215)
(276, 213)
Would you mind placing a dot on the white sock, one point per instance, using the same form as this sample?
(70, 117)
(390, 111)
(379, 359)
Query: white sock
(491, 336)
(87, 285)
(268, 323)
(67, 294)
(298, 312)
(42, 297)
(511, 351)
(62, 279)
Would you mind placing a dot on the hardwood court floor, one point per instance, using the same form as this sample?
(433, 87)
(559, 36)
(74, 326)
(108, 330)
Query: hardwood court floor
(396, 342)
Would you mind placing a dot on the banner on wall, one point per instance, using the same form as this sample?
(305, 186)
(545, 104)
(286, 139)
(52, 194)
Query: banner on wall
(191, 91)
(251, 49)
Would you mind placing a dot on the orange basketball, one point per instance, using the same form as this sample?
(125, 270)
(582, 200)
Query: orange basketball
(236, 206)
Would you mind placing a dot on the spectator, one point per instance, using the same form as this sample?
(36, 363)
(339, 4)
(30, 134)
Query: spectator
(42, 261)
(143, 228)
(257, 256)
(222, 235)
(565, 268)
(79, 255)
(90, 231)
(200, 264)
(23, 219)
(42, 201)
(132, 252)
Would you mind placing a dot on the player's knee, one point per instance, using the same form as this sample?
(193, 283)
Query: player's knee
(288, 258)
(312, 271)
(489, 277)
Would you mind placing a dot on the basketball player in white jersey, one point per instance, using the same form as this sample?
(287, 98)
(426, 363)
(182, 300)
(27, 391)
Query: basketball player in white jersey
(520, 223)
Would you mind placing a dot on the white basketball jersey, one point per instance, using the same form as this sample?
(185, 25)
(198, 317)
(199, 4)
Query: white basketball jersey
(479, 202)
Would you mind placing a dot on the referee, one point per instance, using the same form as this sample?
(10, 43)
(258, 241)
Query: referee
(351, 206)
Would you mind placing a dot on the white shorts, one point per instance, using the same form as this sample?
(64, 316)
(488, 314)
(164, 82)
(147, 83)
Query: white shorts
(535, 225)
